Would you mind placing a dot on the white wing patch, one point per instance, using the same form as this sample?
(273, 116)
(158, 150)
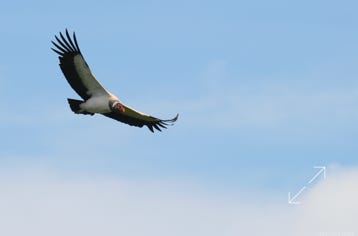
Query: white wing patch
(95, 89)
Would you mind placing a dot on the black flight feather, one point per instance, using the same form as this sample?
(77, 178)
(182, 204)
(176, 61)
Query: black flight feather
(67, 50)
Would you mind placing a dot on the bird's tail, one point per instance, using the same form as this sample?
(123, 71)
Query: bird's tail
(75, 106)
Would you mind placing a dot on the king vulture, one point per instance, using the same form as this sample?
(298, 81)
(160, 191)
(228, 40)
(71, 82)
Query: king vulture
(96, 99)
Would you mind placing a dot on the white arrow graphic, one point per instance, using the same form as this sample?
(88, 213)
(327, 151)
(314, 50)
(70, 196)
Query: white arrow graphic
(291, 200)
(322, 169)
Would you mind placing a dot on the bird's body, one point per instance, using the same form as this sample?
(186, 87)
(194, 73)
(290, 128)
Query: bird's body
(96, 99)
(98, 104)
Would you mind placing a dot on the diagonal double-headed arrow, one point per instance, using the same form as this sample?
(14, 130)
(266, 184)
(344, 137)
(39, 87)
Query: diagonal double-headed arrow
(292, 200)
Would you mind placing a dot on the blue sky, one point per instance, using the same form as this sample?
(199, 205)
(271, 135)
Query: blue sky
(265, 91)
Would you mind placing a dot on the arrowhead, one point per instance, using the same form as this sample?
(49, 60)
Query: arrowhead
(291, 200)
(322, 169)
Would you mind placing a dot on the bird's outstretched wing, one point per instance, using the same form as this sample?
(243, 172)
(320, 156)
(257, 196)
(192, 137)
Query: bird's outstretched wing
(136, 118)
(75, 68)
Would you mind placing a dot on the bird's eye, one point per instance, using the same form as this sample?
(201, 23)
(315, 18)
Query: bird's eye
(119, 107)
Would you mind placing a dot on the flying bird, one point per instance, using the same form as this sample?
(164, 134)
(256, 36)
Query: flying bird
(96, 99)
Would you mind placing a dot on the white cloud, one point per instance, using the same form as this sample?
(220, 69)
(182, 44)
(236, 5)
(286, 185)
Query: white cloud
(331, 208)
(40, 203)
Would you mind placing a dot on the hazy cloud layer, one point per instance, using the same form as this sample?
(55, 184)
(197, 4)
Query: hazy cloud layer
(275, 107)
(41, 203)
(331, 208)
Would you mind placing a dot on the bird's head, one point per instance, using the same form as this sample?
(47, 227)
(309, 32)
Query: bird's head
(116, 106)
